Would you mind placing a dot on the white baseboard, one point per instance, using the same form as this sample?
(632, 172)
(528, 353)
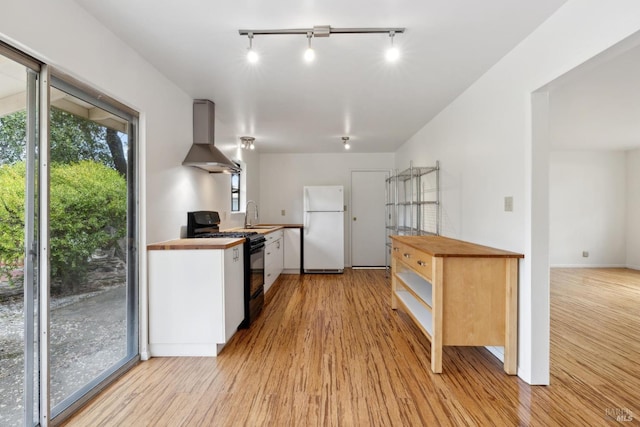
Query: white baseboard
(181, 350)
(497, 352)
(588, 266)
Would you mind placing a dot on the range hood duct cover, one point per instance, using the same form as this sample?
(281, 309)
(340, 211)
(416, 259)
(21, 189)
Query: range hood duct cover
(203, 153)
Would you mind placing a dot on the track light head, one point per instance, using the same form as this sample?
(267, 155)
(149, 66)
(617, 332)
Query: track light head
(252, 55)
(345, 141)
(392, 53)
(309, 54)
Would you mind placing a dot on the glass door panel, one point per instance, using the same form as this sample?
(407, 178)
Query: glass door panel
(90, 325)
(18, 290)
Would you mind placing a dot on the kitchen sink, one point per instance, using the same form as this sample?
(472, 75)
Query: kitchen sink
(262, 227)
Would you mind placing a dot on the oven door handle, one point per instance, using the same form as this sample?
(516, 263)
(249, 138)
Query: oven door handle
(259, 247)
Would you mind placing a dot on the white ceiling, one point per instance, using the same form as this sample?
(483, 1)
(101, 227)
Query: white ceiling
(290, 106)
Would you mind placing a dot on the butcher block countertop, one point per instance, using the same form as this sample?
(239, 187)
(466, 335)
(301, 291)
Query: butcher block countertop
(439, 246)
(217, 243)
(286, 225)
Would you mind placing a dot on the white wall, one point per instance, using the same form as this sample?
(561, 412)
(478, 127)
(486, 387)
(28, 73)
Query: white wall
(282, 177)
(633, 209)
(588, 208)
(485, 145)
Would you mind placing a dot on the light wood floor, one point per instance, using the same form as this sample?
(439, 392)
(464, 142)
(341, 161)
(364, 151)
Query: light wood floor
(328, 350)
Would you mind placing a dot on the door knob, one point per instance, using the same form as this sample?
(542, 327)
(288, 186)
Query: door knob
(354, 218)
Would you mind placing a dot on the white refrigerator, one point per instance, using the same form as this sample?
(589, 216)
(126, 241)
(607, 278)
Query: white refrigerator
(323, 239)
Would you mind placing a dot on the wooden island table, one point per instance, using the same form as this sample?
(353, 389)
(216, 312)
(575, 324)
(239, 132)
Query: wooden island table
(458, 293)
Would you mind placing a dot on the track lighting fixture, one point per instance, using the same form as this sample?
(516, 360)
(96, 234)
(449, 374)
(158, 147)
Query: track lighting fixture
(252, 56)
(309, 54)
(246, 142)
(392, 53)
(345, 141)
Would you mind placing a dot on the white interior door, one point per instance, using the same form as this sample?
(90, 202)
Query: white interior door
(367, 218)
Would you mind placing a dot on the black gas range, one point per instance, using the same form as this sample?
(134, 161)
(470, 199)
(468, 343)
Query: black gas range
(251, 235)
(206, 225)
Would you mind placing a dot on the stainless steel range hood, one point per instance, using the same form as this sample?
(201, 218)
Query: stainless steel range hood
(203, 154)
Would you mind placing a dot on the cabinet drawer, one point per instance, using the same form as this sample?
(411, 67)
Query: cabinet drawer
(270, 275)
(418, 261)
(423, 264)
(396, 250)
(274, 235)
(403, 252)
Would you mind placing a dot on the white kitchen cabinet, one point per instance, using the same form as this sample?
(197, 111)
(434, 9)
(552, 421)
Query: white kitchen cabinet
(292, 250)
(233, 290)
(196, 300)
(273, 258)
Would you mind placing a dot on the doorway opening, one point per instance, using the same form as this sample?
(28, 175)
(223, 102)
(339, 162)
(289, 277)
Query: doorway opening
(586, 149)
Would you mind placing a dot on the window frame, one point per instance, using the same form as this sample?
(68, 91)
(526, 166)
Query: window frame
(236, 189)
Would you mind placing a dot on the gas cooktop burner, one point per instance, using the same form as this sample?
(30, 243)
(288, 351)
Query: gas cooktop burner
(232, 234)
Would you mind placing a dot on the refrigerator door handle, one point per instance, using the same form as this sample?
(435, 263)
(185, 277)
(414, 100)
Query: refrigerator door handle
(306, 212)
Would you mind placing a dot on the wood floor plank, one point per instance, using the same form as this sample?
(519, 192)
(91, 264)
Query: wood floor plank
(328, 350)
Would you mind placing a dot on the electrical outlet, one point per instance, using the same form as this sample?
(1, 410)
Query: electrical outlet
(508, 204)
(585, 254)
(282, 212)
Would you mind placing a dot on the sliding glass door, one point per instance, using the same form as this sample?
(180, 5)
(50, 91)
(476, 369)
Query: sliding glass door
(68, 235)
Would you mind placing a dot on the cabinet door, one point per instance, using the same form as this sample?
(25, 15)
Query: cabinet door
(292, 249)
(279, 258)
(233, 290)
(185, 302)
(270, 264)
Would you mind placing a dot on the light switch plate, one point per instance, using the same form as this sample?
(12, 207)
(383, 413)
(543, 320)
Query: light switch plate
(282, 212)
(508, 204)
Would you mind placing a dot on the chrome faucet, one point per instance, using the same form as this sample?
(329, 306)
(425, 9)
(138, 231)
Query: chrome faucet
(247, 223)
